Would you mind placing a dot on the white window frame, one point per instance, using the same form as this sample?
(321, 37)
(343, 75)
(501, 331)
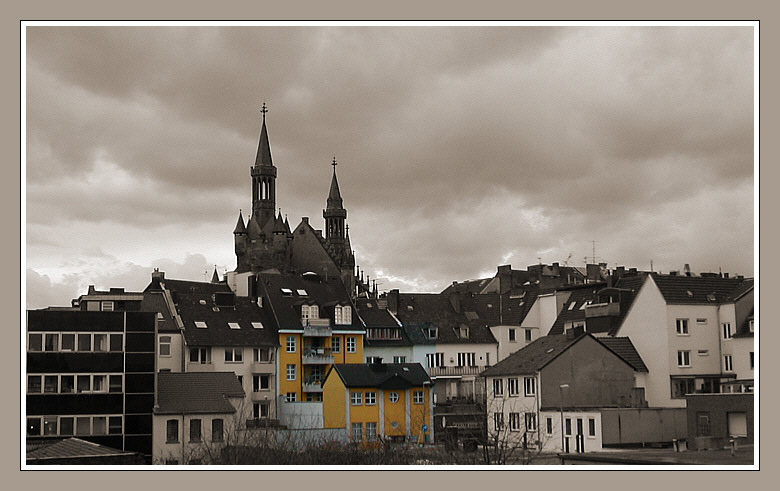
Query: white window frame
(467, 359)
(291, 397)
(371, 431)
(355, 398)
(498, 421)
(165, 341)
(234, 355)
(399, 359)
(351, 344)
(292, 371)
(371, 398)
(335, 344)
(513, 387)
(681, 326)
(529, 386)
(393, 398)
(684, 358)
(419, 397)
(343, 315)
(512, 335)
(514, 422)
(726, 331)
(530, 422)
(498, 387)
(357, 432)
(291, 344)
(728, 363)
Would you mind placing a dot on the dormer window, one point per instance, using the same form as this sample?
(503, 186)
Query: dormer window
(750, 325)
(200, 324)
(464, 332)
(431, 333)
(309, 312)
(343, 315)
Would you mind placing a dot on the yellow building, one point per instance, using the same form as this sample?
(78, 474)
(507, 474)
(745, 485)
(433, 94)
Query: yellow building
(379, 402)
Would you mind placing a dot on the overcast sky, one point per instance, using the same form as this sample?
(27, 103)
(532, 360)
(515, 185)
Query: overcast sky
(459, 148)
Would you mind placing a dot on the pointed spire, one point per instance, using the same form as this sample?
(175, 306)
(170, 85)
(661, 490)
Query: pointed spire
(334, 197)
(263, 148)
(215, 276)
(240, 228)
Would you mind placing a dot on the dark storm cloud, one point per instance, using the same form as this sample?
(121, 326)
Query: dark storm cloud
(458, 147)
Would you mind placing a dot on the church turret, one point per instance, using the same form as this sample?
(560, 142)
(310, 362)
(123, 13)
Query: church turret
(263, 179)
(334, 214)
(240, 242)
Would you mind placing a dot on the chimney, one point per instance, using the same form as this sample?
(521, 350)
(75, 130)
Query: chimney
(687, 269)
(305, 220)
(392, 301)
(158, 275)
(504, 278)
(726, 275)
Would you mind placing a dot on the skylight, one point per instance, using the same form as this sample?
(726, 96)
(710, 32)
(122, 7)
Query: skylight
(200, 324)
(302, 293)
(286, 291)
(572, 305)
(257, 325)
(234, 325)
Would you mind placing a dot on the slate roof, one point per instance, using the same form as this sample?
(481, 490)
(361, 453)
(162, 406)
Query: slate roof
(384, 376)
(73, 448)
(468, 286)
(624, 348)
(436, 310)
(533, 357)
(326, 292)
(743, 331)
(572, 308)
(688, 290)
(373, 315)
(177, 287)
(196, 392)
(200, 307)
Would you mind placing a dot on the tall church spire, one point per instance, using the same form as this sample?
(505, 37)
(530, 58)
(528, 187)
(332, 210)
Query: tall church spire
(334, 214)
(263, 179)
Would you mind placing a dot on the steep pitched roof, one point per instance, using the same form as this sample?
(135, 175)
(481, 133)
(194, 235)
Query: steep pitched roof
(221, 320)
(286, 294)
(382, 376)
(437, 310)
(688, 290)
(534, 356)
(184, 286)
(263, 147)
(196, 392)
(240, 228)
(573, 309)
(334, 195)
(625, 349)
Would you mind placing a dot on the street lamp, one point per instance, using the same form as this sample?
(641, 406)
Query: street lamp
(563, 441)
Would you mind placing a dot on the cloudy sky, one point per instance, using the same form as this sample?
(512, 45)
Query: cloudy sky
(459, 148)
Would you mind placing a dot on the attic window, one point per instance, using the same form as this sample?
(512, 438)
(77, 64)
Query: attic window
(234, 325)
(286, 292)
(202, 302)
(302, 293)
(431, 333)
(257, 325)
(200, 324)
(572, 305)
(464, 332)
(405, 369)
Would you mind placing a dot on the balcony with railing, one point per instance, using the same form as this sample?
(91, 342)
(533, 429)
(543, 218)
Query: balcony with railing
(455, 371)
(602, 310)
(317, 328)
(312, 385)
(317, 355)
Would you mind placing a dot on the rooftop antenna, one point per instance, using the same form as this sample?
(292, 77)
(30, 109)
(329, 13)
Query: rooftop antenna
(594, 251)
(566, 262)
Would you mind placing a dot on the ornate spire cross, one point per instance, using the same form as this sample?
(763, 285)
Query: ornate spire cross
(264, 110)
(334, 164)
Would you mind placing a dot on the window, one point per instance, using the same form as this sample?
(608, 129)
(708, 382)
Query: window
(291, 344)
(592, 427)
(257, 325)
(351, 345)
(291, 371)
(171, 431)
(165, 346)
(498, 421)
(234, 325)
(34, 426)
(464, 332)
(68, 384)
(682, 327)
(737, 424)
(513, 385)
(568, 427)
(261, 410)
(512, 338)
(50, 383)
(115, 342)
(683, 358)
(498, 387)
(100, 342)
(83, 426)
(701, 320)
(466, 360)
(435, 359)
(371, 431)
(682, 386)
(703, 424)
(234, 355)
(431, 332)
(419, 397)
(50, 426)
(35, 342)
(343, 315)
(34, 384)
(728, 363)
(549, 426)
(195, 430)
(335, 345)
(529, 386)
(68, 342)
(107, 306)
(527, 334)
(83, 383)
(200, 355)
(727, 334)
(52, 342)
(703, 352)
(530, 421)
(356, 398)
(217, 430)
(750, 325)
(260, 382)
(85, 342)
(751, 360)
(399, 359)
(99, 383)
(357, 432)
(290, 397)
(261, 355)
(309, 312)
(514, 421)
(66, 426)
(115, 383)
(394, 397)
(200, 325)
(370, 398)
